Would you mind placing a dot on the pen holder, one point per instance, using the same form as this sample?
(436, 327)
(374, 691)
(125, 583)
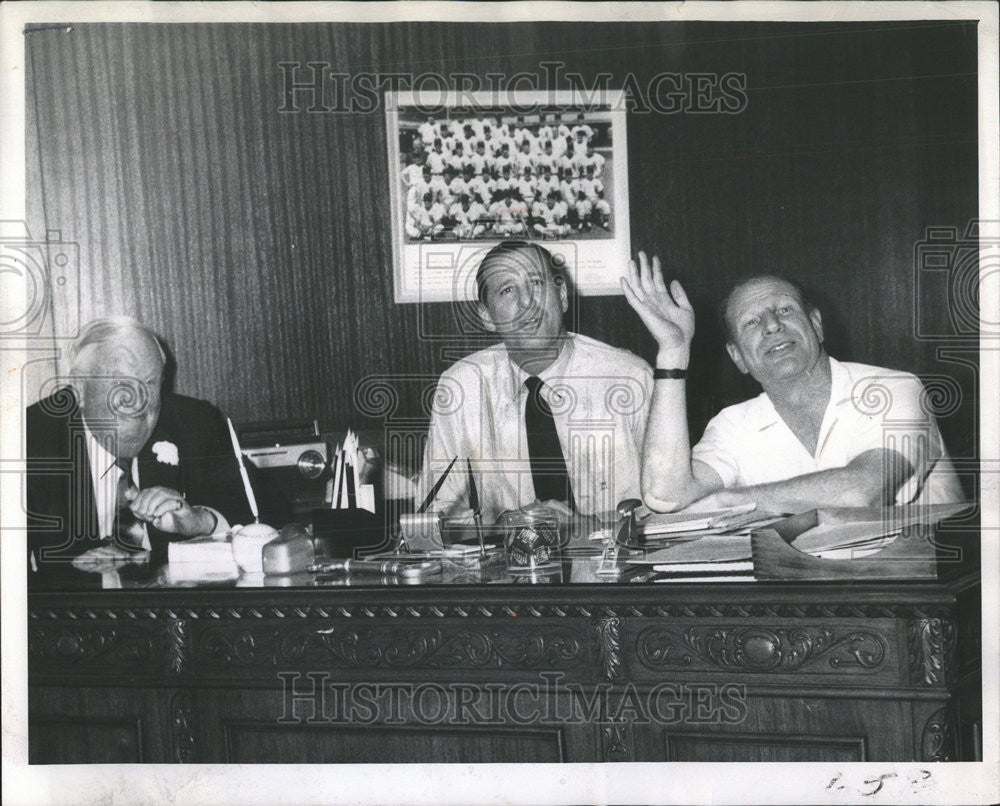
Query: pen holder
(248, 546)
(348, 532)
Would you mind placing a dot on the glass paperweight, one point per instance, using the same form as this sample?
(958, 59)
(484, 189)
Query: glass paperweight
(531, 538)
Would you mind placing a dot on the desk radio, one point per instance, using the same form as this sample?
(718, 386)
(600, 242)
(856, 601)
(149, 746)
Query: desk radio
(291, 462)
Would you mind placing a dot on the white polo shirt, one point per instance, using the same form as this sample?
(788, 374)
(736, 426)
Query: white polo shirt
(870, 407)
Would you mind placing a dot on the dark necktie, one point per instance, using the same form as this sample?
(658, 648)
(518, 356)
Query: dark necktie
(127, 529)
(548, 465)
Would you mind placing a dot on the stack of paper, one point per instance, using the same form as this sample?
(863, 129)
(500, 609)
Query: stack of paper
(202, 558)
(709, 558)
(739, 519)
(345, 490)
(716, 546)
(845, 541)
(710, 548)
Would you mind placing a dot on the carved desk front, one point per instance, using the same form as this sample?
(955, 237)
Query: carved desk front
(468, 673)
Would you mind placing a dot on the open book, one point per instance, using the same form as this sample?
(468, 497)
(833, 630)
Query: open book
(715, 546)
(851, 533)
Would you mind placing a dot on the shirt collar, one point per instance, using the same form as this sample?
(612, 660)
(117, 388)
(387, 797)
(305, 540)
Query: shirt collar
(840, 393)
(101, 459)
(764, 412)
(841, 384)
(557, 369)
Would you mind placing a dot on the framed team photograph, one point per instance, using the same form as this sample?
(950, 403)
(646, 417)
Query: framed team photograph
(468, 170)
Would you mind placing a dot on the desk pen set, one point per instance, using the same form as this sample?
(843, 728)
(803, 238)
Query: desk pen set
(404, 566)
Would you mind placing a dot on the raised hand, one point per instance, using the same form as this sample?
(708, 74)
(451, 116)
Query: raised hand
(667, 314)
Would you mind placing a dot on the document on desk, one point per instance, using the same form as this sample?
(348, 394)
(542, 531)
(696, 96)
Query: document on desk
(715, 548)
(740, 519)
(710, 558)
(835, 541)
(855, 532)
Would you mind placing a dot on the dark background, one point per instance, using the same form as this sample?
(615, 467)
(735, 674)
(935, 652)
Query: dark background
(258, 243)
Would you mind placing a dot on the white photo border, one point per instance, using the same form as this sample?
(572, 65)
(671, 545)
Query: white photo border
(675, 782)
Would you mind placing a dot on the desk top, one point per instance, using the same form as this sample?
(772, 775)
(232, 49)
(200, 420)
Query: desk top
(574, 580)
(570, 568)
(575, 568)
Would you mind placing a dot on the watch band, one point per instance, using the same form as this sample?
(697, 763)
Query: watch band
(660, 374)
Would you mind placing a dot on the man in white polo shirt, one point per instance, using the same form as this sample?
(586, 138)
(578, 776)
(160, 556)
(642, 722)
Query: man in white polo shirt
(822, 433)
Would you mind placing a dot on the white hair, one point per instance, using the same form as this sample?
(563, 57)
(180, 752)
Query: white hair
(111, 329)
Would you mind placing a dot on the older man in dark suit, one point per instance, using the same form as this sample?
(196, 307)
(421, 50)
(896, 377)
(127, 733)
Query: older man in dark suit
(117, 465)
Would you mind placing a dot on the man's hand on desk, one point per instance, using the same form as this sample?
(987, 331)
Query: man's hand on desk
(560, 508)
(167, 510)
(568, 519)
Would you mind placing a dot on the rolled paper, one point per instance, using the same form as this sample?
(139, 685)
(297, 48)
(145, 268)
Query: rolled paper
(243, 471)
(352, 491)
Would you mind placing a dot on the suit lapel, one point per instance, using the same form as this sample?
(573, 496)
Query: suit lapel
(157, 471)
(70, 497)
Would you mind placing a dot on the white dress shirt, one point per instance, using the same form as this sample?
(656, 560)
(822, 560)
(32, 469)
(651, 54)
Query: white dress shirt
(104, 474)
(599, 396)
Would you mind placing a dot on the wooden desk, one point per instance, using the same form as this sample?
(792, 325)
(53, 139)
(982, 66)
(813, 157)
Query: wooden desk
(506, 672)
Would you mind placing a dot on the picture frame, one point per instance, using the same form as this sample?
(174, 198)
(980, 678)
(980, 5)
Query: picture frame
(573, 144)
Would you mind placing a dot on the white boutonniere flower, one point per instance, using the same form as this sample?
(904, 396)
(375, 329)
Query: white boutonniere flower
(166, 452)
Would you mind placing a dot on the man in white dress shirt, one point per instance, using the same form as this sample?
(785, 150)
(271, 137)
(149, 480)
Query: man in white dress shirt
(596, 397)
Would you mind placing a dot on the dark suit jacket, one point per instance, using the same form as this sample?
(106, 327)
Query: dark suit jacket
(62, 515)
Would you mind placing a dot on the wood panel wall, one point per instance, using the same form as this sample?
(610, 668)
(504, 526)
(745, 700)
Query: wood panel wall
(257, 242)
